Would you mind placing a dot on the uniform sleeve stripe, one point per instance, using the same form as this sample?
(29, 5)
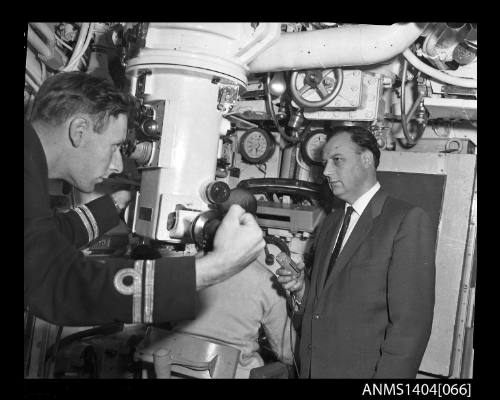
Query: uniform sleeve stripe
(92, 220)
(149, 291)
(85, 223)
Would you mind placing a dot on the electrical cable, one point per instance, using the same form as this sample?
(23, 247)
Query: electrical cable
(269, 103)
(43, 71)
(75, 58)
(107, 329)
(85, 47)
(63, 43)
(79, 43)
(301, 165)
(410, 141)
(438, 75)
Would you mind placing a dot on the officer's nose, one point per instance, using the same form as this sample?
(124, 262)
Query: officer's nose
(116, 165)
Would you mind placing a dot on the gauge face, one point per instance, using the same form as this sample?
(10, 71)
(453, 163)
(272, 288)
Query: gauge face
(312, 147)
(256, 146)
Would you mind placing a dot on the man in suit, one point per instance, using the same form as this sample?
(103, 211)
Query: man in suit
(365, 308)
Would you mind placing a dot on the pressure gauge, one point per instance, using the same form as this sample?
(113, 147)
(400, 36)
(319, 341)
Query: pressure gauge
(256, 146)
(312, 146)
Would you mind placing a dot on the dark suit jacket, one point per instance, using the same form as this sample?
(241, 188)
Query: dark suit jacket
(373, 316)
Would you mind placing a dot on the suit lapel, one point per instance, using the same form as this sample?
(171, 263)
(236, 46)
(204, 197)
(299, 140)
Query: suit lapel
(358, 235)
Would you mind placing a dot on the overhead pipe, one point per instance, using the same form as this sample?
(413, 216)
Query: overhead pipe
(334, 47)
(437, 74)
(46, 52)
(46, 32)
(38, 43)
(33, 67)
(31, 82)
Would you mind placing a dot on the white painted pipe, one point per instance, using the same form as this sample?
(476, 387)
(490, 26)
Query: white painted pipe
(31, 82)
(33, 67)
(38, 43)
(46, 32)
(439, 75)
(344, 46)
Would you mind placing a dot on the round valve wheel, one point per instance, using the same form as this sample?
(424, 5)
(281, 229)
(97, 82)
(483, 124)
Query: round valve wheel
(322, 84)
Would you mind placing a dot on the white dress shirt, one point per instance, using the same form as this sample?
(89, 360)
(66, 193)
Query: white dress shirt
(359, 206)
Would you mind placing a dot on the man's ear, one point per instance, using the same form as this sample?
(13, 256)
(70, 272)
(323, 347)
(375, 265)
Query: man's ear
(78, 128)
(367, 158)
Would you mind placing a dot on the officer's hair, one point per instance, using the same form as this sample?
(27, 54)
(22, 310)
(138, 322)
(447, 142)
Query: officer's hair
(360, 136)
(68, 93)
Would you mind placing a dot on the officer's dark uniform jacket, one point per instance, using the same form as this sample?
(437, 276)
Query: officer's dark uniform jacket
(63, 287)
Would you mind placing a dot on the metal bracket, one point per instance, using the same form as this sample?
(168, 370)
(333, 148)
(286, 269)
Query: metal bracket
(228, 94)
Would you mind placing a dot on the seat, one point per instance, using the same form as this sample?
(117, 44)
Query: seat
(186, 355)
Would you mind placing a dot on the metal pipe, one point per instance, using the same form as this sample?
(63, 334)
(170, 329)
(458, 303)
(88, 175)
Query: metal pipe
(47, 53)
(38, 43)
(33, 67)
(46, 32)
(334, 47)
(31, 82)
(438, 75)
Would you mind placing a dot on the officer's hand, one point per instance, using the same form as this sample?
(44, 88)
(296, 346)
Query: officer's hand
(121, 198)
(292, 282)
(238, 242)
(239, 239)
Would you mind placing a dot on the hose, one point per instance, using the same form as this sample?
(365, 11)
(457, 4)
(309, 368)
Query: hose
(300, 164)
(410, 141)
(84, 29)
(107, 329)
(438, 75)
(281, 131)
(63, 43)
(81, 47)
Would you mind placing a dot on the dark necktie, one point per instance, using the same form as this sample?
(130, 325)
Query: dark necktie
(340, 239)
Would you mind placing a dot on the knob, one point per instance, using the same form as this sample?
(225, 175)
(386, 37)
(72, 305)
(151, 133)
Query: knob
(150, 127)
(218, 192)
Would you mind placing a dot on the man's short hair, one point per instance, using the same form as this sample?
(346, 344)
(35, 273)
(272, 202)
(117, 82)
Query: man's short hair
(362, 137)
(68, 93)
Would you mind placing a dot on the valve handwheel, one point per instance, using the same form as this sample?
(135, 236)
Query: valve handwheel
(325, 83)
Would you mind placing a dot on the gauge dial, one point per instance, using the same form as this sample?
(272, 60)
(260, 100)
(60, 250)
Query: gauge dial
(312, 146)
(256, 146)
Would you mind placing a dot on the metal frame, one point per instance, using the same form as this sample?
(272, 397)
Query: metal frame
(453, 264)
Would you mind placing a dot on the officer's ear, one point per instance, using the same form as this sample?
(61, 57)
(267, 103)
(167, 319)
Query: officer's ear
(78, 128)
